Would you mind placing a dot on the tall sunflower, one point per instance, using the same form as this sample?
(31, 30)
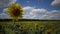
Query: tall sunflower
(15, 11)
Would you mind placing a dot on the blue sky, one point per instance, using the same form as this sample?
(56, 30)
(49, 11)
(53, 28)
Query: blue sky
(33, 9)
(39, 4)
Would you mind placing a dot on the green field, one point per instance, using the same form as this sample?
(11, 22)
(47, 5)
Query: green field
(31, 27)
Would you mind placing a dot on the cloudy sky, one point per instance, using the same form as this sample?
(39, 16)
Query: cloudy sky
(33, 9)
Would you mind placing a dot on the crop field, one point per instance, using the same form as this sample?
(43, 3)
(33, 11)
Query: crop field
(30, 27)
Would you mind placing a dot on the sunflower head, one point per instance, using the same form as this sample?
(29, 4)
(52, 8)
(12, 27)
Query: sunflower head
(48, 31)
(41, 27)
(30, 29)
(15, 10)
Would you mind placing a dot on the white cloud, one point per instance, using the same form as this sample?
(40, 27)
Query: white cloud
(56, 3)
(4, 16)
(6, 2)
(33, 13)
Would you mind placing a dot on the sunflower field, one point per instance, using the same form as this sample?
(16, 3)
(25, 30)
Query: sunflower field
(30, 27)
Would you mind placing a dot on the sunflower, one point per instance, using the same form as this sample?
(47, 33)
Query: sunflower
(48, 31)
(15, 10)
(41, 27)
(30, 30)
